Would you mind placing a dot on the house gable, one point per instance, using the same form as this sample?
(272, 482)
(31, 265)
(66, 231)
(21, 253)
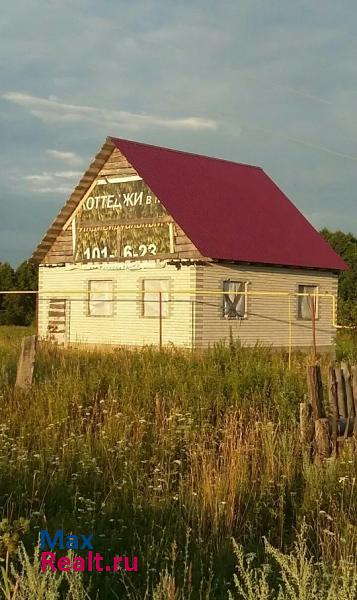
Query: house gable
(113, 215)
(218, 209)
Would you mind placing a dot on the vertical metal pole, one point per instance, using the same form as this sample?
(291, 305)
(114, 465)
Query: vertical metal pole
(312, 301)
(334, 310)
(192, 327)
(160, 315)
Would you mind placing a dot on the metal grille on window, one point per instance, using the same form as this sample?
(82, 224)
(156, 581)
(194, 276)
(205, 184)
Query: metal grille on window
(234, 300)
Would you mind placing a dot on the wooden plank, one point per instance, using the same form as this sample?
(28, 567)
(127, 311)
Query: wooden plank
(322, 439)
(332, 390)
(189, 247)
(348, 389)
(349, 399)
(25, 363)
(58, 252)
(56, 313)
(307, 427)
(117, 169)
(192, 254)
(58, 245)
(315, 391)
(341, 400)
(62, 240)
(182, 239)
(354, 390)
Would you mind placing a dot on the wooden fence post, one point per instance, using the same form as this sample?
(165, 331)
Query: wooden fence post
(332, 390)
(348, 397)
(342, 408)
(307, 427)
(316, 391)
(330, 433)
(354, 388)
(322, 439)
(26, 363)
(348, 388)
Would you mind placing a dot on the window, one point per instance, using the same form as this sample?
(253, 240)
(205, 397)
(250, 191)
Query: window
(307, 304)
(152, 288)
(234, 299)
(100, 298)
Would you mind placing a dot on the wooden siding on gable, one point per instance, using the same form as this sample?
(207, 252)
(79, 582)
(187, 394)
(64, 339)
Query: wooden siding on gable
(61, 250)
(59, 241)
(117, 165)
(183, 245)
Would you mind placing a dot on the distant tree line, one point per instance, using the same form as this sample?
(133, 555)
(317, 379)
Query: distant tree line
(345, 245)
(16, 309)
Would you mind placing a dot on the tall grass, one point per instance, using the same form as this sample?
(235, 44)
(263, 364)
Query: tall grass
(168, 455)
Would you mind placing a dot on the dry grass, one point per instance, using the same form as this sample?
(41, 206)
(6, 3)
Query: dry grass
(168, 456)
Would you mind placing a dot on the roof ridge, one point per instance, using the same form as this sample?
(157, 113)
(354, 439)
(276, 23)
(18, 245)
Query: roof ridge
(232, 162)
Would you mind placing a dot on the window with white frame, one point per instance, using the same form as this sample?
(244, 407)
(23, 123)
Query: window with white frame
(155, 292)
(234, 299)
(100, 298)
(308, 303)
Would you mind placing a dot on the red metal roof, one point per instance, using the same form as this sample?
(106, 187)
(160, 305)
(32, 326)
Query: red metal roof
(230, 211)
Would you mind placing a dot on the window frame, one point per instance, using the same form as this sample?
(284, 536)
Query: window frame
(89, 292)
(236, 318)
(301, 298)
(142, 298)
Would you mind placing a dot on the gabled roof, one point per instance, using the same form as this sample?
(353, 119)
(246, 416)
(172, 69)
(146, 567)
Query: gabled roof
(230, 211)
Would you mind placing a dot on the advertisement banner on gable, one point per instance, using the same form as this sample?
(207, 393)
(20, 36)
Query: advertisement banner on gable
(122, 220)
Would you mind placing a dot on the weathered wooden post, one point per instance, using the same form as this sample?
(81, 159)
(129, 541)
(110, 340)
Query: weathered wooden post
(25, 363)
(354, 389)
(332, 390)
(348, 388)
(322, 439)
(316, 391)
(349, 398)
(342, 408)
(307, 428)
(330, 433)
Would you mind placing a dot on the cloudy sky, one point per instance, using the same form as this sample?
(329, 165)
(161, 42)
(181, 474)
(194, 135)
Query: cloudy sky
(269, 82)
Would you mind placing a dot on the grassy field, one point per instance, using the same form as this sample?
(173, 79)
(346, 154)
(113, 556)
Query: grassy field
(192, 462)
